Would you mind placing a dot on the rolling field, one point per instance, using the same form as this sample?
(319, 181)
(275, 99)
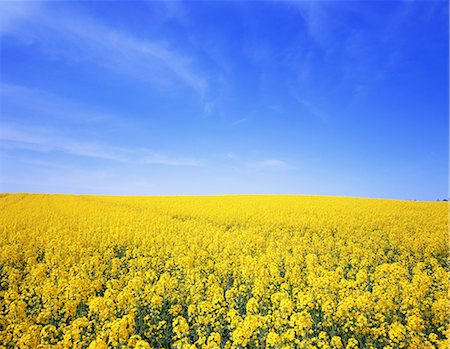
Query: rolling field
(222, 272)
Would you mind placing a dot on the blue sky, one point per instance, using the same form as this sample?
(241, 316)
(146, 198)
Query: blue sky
(206, 97)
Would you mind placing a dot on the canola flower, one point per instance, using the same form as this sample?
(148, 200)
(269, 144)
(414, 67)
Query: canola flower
(222, 272)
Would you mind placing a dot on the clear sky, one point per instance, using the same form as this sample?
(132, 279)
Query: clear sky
(207, 97)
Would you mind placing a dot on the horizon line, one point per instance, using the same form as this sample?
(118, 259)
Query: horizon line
(2, 194)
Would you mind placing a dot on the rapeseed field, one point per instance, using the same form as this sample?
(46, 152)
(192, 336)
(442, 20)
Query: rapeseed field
(222, 272)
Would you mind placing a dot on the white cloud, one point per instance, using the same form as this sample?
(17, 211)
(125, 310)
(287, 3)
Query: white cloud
(38, 103)
(13, 12)
(362, 56)
(268, 164)
(312, 108)
(77, 36)
(49, 179)
(318, 19)
(238, 122)
(45, 140)
(155, 158)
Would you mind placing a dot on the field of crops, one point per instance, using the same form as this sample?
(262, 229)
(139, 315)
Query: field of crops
(222, 272)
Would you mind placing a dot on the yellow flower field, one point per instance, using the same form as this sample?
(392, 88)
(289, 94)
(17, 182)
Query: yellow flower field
(222, 272)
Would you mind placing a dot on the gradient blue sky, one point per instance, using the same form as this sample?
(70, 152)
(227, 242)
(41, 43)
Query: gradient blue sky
(205, 97)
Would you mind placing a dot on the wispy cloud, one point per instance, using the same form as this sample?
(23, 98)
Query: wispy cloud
(32, 162)
(268, 164)
(48, 178)
(316, 17)
(150, 157)
(34, 103)
(78, 36)
(359, 57)
(238, 122)
(21, 129)
(311, 107)
(45, 140)
(12, 13)
(315, 110)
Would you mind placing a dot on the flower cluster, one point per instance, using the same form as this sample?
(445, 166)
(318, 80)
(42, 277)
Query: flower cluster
(222, 272)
